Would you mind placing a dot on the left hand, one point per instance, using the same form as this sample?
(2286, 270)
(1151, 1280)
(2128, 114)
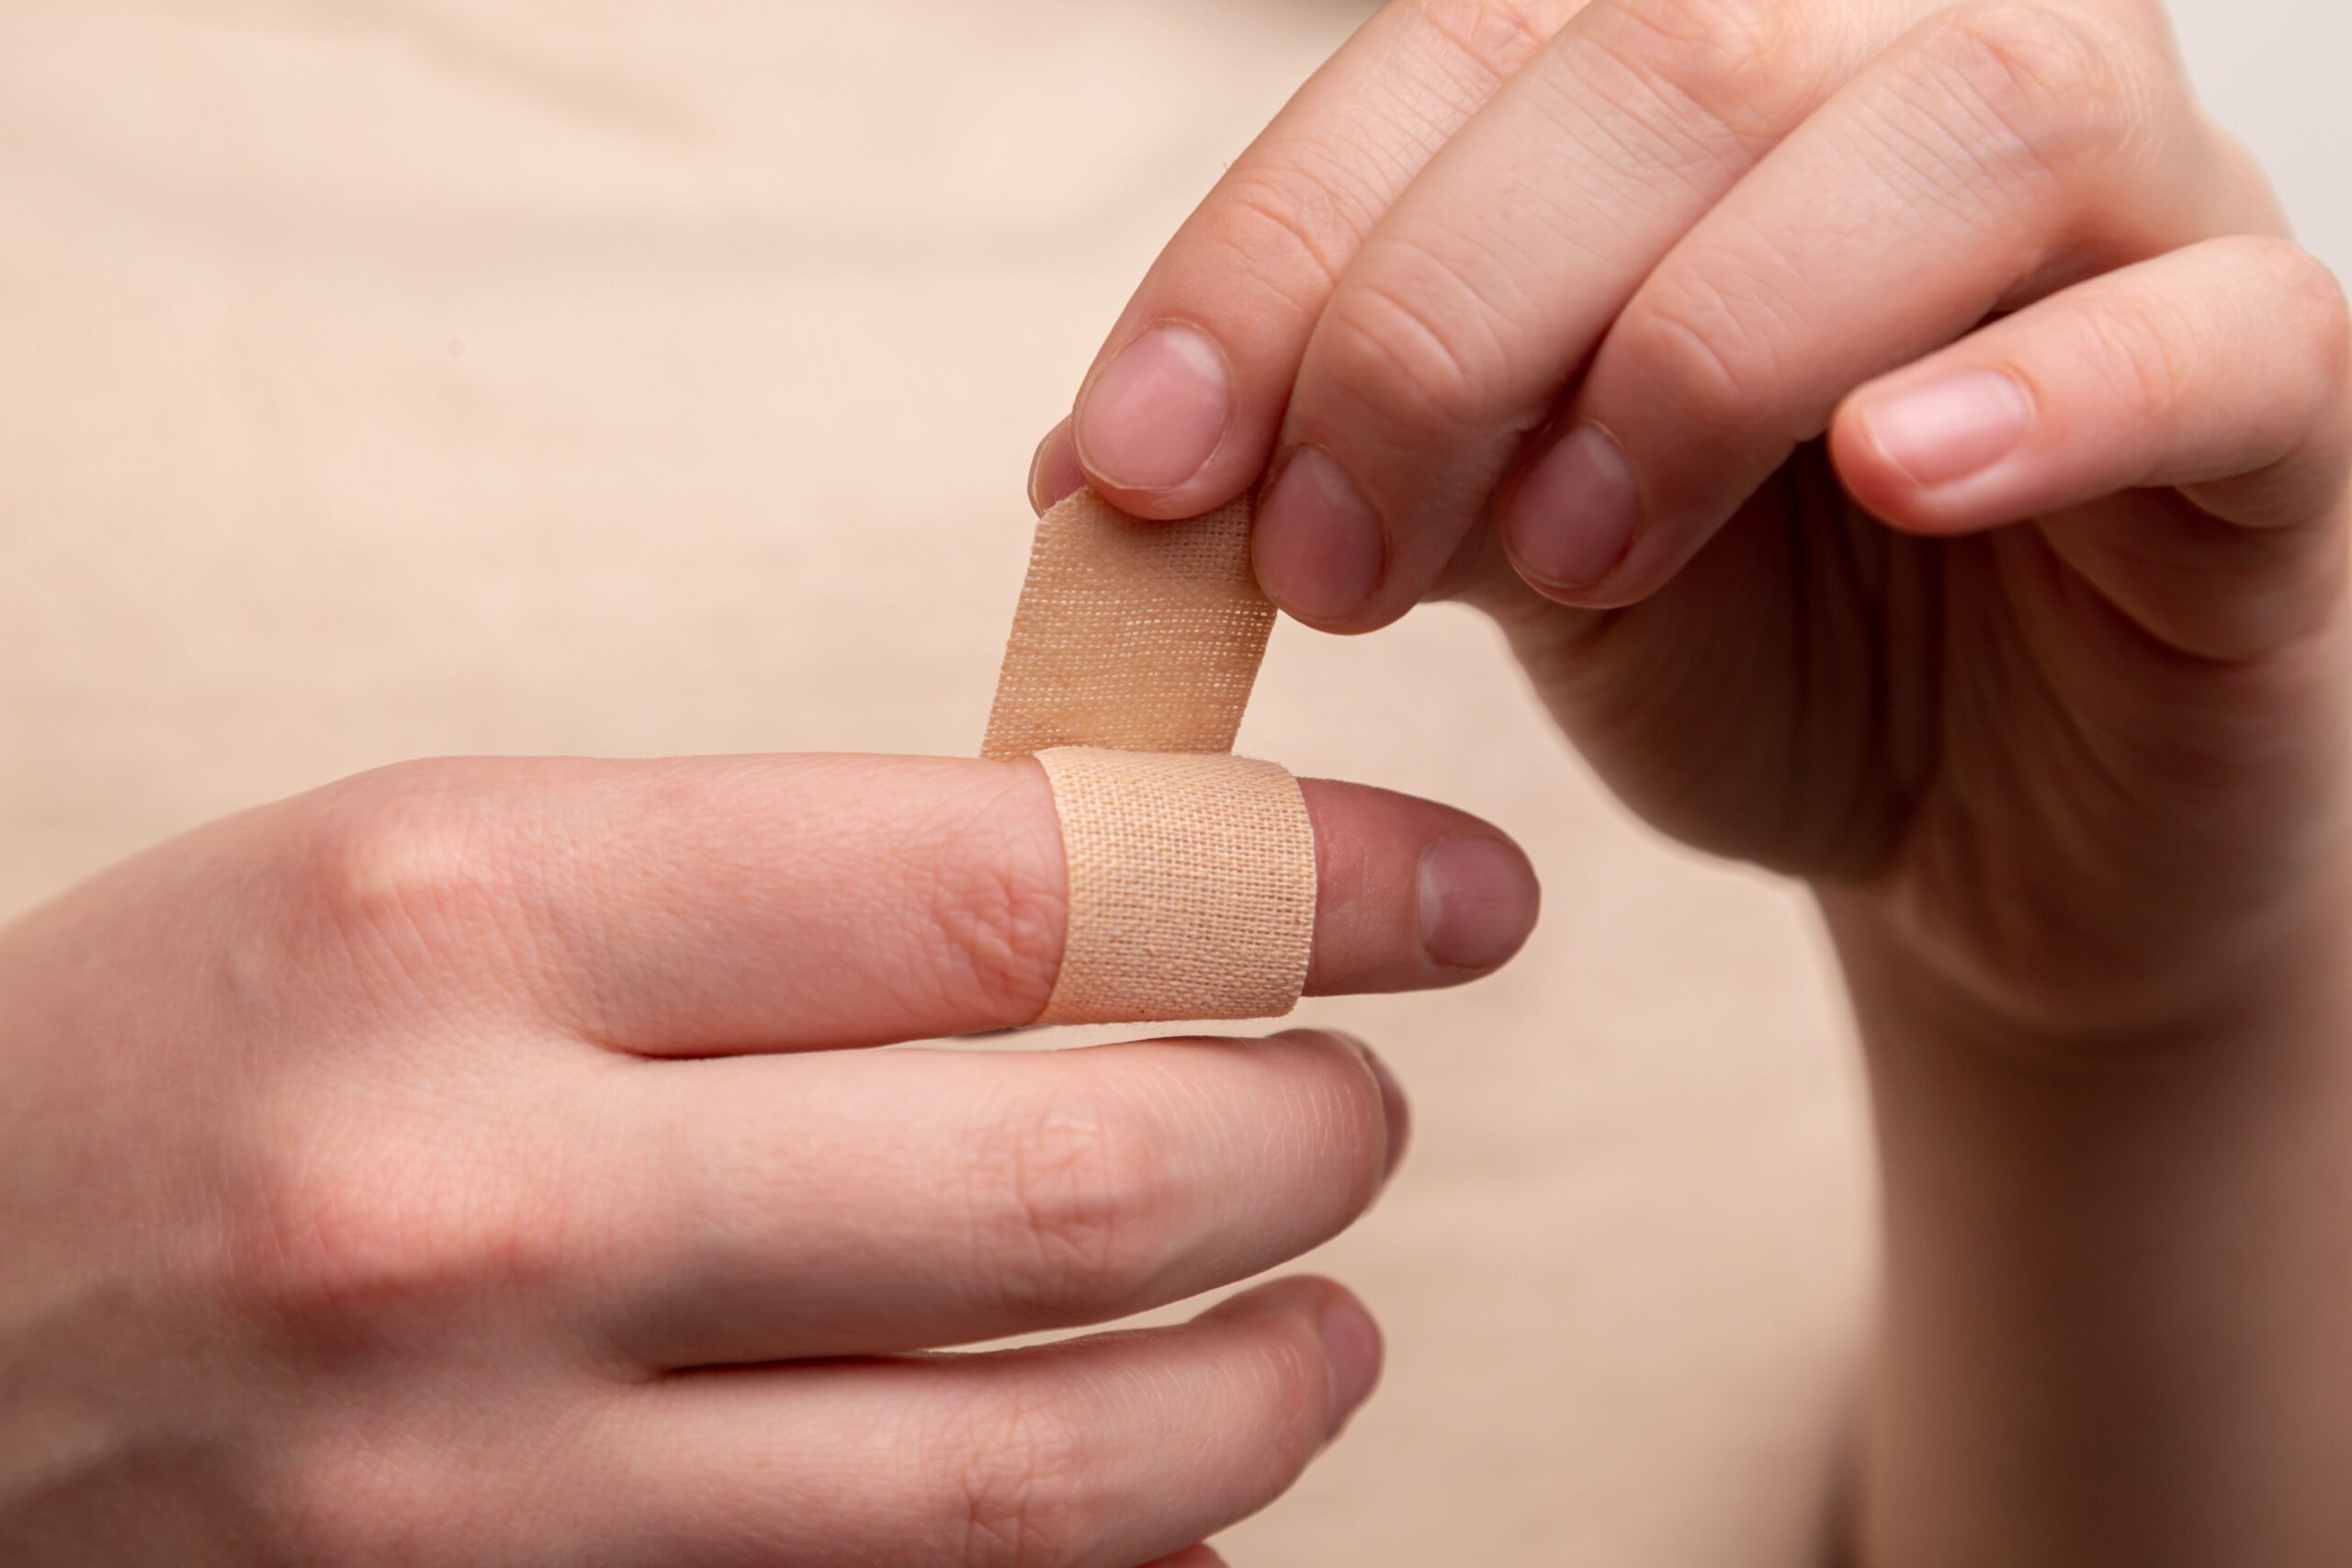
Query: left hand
(1710, 345)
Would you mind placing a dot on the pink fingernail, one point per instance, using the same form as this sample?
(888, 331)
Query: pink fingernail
(1478, 900)
(1317, 548)
(1351, 1350)
(1395, 1108)
(1575, 515)
(1054, 473)
(1944, 430)
(1157, 412)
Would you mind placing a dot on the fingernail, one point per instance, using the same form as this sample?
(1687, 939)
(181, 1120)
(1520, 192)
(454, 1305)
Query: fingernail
(1191, 1557)
(1317, 548)
(1156, 412)
(1574, 516)
(1351, 1352)
(1478, 900)
(1949, 428)
(1393, 1106)
(1054, 473)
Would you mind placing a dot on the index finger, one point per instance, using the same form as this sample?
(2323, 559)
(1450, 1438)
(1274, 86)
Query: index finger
(1179, 412)
(722, 904)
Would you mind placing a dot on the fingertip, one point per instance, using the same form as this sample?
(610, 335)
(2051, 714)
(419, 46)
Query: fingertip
(1936, 450)
(1300, 1294)
(1054, 473)
(1191, 1557)
(1412, 895)
(1585, 596)
(1864, 473)
(1572, 518)
(1395, 1110)
(1318, 548)
(1478, 901)
(1625, 584)
(1153, 419)
(1353, 1347)
(1224, 481)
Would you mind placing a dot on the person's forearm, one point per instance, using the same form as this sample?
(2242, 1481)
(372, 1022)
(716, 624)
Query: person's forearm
(2117, 1326)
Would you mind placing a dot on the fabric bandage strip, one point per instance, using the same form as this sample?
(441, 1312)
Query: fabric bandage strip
(1142, 637)
(1192, 886)
(1191, 873)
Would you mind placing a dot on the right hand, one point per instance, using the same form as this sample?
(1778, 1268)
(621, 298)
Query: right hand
(412, 1172)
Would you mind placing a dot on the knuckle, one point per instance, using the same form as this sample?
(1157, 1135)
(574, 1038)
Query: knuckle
(1072, 1197)
(1013, 1493)
(1290, 228)
(1496, 36)
(2142, 348)
(1685, 340)
(1746, 66)
(1387, 352)
(398, 859)
(341, 1248)
(2058, 89)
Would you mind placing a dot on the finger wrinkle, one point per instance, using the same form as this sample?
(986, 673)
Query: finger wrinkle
(1494, 36)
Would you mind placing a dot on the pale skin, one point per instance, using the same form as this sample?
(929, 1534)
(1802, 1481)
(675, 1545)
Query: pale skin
(1906, 451)
(480, 1162)
(473, 1163)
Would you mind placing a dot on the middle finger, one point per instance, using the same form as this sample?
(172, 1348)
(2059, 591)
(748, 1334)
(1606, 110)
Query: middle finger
(1997, 153)
(1449, 338)
(990, 1194)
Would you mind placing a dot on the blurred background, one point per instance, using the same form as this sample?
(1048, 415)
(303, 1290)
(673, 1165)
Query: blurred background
(409, 377)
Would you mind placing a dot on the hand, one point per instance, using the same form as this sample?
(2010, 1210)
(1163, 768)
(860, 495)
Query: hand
(469, 1164)
(1713, 346)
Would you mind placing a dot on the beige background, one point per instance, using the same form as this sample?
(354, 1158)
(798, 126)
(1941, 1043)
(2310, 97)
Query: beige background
(406, 376)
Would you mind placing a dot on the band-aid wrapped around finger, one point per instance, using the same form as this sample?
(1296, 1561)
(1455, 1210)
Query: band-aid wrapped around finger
(1191, 873)
(1192, 886)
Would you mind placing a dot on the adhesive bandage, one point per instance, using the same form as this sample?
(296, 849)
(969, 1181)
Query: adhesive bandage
(1192, 872)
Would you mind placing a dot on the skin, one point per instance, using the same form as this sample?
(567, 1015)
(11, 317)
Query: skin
(1905, 452)
(480, 1162)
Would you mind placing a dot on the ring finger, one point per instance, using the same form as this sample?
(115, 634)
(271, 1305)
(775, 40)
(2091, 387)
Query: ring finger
(1994, 155)
(1487, 283)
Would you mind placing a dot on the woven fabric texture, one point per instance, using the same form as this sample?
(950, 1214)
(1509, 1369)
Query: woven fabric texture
(1144, 636)
(1191, 873)
(1192, 886)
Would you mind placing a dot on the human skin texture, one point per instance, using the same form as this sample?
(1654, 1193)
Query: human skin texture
(1907, 452)
(481, 1163)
